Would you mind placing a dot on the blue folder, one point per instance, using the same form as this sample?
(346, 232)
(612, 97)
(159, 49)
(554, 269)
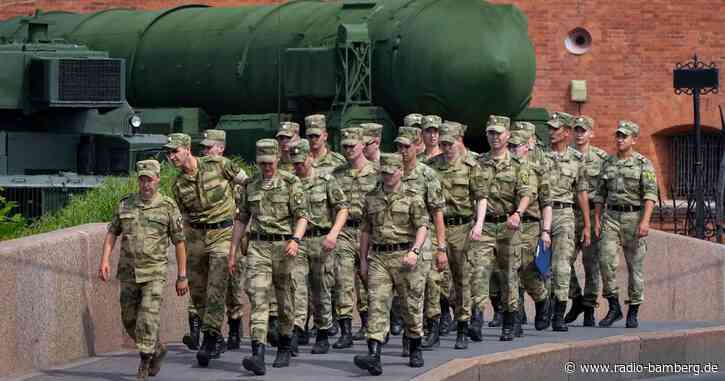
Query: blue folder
(543, 260)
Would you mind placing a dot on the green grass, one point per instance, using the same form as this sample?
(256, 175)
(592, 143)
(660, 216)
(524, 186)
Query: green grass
(96, 205)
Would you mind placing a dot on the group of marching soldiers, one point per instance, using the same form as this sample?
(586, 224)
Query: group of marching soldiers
(405, 236)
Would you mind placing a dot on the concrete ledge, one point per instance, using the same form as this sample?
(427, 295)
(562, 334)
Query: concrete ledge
(550, 361)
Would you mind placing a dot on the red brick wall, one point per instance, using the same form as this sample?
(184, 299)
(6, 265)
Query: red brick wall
(628, 70)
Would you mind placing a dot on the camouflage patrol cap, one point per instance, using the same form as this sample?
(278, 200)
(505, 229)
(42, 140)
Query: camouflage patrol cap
(584, 122)
(299, 151)
(371, 131)
(449, 132)
(519, 137)
(523, 126)
(390, 162)
(150, 168)
(267, 150)
(288, 129)
(462, 127)
(212, 137)
(498, 123)
(177, 140)
(560, 119)
(408, 135)
(432, 121)
(628, 127)
(351, 136)
(315, 124)
(413, 120)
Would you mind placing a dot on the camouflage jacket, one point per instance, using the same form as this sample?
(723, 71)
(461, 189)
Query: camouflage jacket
(275, 208)
(627, 181)
(145, 230)
(462, 183)
(356, 185)
(593, 161)
(394, 217)
(539, 185)
(424, 180)
(325, 198)
(506, 183)
(324, 165)
(568, 175)
(207, 196)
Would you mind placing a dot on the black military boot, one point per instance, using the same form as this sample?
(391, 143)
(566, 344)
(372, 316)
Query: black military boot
(462, 335)
(255, 362)
(614, 313)
(371, 361)
(632, 312)
(433, 338)
(406, 346)
(273, 331)
(396, 323)
(322, 345)
(345, 340)
(295, 341)
(157, 359)
(446, 320)
(304, 336)
(362, 333)
(283, 352)
(518, 317)
(192, 339)
(208, 349)
(557, 322)
(474, 328)
(220, 347)
(522, 309)
(577, 307)
(589, 316)
(542, 320)
(507, 326)
(416, 355)
(497, 318)
(235, 334)
(143, 367)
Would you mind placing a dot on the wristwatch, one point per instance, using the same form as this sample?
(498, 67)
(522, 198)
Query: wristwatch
(415, 251)
(547, 231)
(295, 239)
(181, 278)
(443, 249)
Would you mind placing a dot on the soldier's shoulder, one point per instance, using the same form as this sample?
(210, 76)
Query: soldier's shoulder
(576, 154)
(471, 159)
(641, 158)
(127, 200)
(168, 202)
(341, 169)
(288, 177)
(599, 152)
(337, 157)
(326, 177)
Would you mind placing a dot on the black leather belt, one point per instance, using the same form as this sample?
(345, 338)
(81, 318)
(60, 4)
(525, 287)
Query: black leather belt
(560, 205)
(457, 220)
(624, 208)
(352, 223)
(527, 218)
(392, 247)
(218, 225)
(316, 232)
(269, 237)
(496, 219)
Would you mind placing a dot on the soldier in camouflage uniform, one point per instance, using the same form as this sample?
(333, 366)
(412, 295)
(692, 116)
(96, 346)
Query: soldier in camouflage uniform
(570, 186)
(464, 191)
(328, 210)
(146, 221)
(394, 227)
(287, 134)
(204, 192)
(325, 160)
(628, 187)
(214, 144)
(372, 134)
(593, 159)
(274, 208)
(357, 178)
(429, 132)
(535, 225)
(507, 179)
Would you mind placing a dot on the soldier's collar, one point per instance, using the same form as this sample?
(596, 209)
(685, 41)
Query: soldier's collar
(154, 202)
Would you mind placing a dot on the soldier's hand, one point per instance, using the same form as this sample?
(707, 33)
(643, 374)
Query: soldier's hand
(643, 229)
(586, 238)
(441, 261)
(231, 265)
(104, 271)
(475, 234)
(292, 249)
(513, 222)
(597, 229)
(410, 260)
(182, 287)
(546, 238)
(329, 243)
(363, 271)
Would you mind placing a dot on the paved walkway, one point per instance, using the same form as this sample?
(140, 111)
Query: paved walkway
(181, 364)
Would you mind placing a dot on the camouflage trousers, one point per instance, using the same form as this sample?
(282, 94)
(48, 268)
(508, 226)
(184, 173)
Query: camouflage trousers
(494, 285)
(270, 269)
(590, 260)
(619, 230)
(361, 290)
(236, 287)
(300, 284)
(464, 261)
(434, 288)
(499, 247)
(344, 256)
(141, 312)
(563, 249)
(208, 274)
(321, 279)
(531, 279)
(387, 274)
